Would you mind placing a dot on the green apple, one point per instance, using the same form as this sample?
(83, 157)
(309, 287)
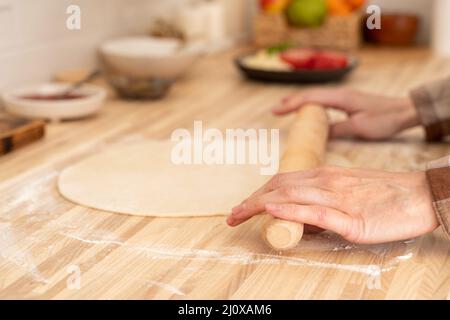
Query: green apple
(306, 13)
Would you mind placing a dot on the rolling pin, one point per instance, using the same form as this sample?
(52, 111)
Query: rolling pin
(305, 150)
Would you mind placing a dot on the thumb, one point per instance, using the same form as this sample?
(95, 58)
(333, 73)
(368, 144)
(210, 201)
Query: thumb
(342, 129)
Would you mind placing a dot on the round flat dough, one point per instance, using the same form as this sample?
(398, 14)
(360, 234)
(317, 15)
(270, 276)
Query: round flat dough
(140, 179)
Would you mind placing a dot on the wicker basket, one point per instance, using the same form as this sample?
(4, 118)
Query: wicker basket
(337, 32)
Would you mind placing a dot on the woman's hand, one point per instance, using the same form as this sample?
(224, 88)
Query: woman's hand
(370, 117)
(363, 206)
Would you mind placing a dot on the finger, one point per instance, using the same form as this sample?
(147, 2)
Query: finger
(289, 104)
(287, 194)
(340, 99)
(318, 178)
(251, 207)
(280, 179)
(305, 177)
(319, 216)
(342, 129)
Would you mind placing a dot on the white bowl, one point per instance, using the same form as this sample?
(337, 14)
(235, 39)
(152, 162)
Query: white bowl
(149, 57)
(90, 101)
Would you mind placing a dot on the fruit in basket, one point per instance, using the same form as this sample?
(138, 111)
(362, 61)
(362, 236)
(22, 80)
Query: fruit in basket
(339, 7)
(356, 4)
(306, 13)
(343, 7)
(273, 6)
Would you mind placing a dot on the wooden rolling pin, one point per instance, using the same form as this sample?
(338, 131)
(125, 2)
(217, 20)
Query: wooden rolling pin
(305, 150)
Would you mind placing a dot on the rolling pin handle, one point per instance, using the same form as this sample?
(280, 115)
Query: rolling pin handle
(305, 149)
(282, 234)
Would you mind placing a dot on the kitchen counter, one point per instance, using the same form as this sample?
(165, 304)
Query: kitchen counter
(53, 249)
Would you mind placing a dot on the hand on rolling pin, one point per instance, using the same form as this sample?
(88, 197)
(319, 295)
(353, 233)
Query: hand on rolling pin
(363, 206)
(370, 117)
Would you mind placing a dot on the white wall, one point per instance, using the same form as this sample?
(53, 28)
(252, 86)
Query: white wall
(38, 43)
(34, 41)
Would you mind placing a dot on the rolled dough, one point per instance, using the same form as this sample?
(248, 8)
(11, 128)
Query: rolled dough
(140, 179)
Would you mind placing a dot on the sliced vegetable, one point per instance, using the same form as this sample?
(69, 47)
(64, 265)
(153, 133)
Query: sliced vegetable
(328, 60)
(298, 58)
(278, 48)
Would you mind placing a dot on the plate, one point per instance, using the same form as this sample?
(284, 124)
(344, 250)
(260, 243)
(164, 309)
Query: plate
(90, 100)
(295, 76)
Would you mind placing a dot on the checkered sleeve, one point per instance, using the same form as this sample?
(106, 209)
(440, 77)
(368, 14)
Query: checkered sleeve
(438, 175)
(432, 102)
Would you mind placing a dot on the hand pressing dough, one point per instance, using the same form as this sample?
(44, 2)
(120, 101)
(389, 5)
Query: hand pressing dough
(140, 179)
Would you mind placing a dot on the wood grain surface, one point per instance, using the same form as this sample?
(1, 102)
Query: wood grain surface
(53, 249)
(16, 132)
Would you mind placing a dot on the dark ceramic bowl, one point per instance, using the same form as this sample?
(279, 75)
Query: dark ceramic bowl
(396, 30)
(139, 88)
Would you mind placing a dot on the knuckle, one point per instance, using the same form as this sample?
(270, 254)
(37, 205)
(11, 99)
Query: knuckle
(332, 169)
(350, 92)
(322, 171)
(352, 181)
(253, 204)
(338, 182)
(333, 198)
(344, 94)
(276, 180)
(328, 170)
(354, 230)
(314, 172)
(291, 210)
(326, 182)
(344, 199)
(290, 192)
(321, 214)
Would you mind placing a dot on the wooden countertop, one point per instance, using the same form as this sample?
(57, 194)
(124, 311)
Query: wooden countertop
(46, 241)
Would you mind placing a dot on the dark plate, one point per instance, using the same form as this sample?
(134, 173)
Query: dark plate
(295, 76)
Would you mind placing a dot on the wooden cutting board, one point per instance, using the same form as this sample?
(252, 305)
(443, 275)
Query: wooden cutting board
(16, 132)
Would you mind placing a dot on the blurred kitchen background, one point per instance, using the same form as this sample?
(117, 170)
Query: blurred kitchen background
(34, 42)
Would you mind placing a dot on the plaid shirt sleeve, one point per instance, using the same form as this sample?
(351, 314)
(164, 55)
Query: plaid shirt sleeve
(432, 102)
(438, 175)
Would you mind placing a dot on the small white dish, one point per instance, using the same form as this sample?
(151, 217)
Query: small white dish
(149, 57)
(41, 101)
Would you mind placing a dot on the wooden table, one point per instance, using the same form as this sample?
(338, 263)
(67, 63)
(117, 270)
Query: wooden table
(51, 248)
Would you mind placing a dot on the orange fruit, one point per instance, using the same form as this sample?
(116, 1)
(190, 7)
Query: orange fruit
(356, 4)
(273, 6)
(339, 7)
